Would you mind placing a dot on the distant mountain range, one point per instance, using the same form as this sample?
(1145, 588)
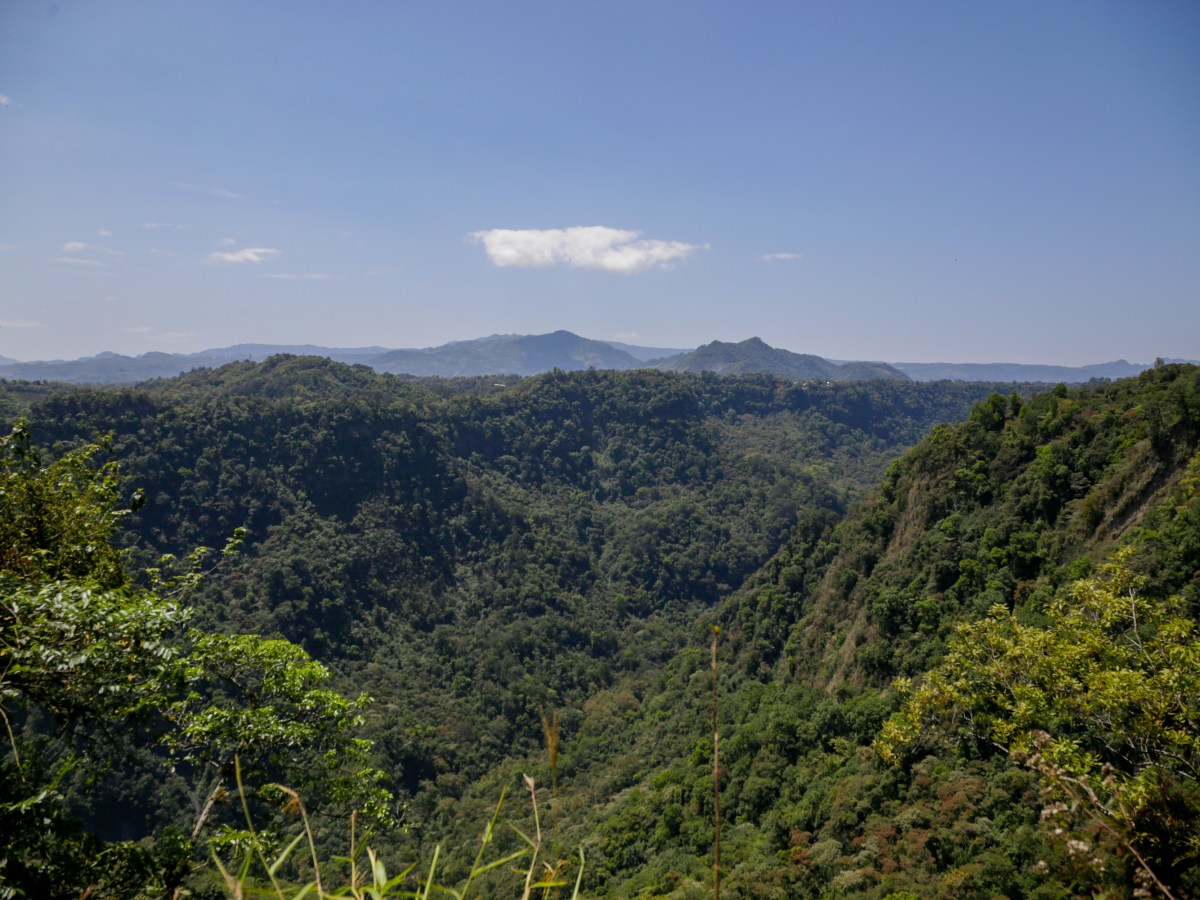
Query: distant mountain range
(507, 355)
(515, 354)
(1018, 371)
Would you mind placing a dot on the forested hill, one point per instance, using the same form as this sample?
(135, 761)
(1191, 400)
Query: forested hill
(580, 503)
(478, 555)
(754, 355)
(1000, 512)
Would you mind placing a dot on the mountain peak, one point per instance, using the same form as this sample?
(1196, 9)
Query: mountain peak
(754, 355)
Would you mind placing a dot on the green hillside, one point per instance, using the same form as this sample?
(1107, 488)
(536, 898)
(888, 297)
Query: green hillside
(1005, 508)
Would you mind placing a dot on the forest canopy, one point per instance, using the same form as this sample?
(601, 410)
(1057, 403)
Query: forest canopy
(485, 561)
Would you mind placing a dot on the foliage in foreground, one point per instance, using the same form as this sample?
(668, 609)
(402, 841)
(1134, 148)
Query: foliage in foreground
(1103, 701)
(95, 672)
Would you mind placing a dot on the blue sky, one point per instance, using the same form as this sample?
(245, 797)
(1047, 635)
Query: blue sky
(908, 181)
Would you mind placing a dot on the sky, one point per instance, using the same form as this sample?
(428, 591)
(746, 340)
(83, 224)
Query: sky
(916, 181)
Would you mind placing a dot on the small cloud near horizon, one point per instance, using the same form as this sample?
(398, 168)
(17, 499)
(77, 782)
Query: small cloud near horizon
(297, 276)
(221, 192)
(5, 100)
(246, 255)
(80, 247)
(779, 257)
(75, 261)
(227, 242)
(581, 247)
(626, 336)
(103, 232)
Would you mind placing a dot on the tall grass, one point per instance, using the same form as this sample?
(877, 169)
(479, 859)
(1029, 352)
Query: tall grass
(258, 872)
(550, 733)
(716, 736)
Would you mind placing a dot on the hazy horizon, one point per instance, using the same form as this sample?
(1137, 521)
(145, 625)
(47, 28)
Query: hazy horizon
(679, 349)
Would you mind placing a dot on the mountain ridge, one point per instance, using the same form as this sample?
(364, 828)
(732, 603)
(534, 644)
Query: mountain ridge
(1050, 374)
(755, 356)
(505, 355)
(516, 354)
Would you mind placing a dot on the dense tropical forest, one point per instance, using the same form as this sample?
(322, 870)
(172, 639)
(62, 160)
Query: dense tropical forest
(944, 631)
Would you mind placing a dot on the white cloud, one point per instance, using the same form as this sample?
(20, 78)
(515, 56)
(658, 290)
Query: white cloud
(155, 251)
(103, 232)
(18, 323)
(5, 100)
(226, 242)
(74, 246)
(249, 254)
(298, 276)
(221, 192)
(74, 261)
(779, 257)
(626, 336)
(581, 247)
(154, 226)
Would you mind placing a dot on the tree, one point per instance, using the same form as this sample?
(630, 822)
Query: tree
(258, 704)
(93, 668)
(1103, 702)
(57, 519)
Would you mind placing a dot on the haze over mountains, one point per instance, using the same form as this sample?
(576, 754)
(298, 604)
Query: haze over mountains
(524, 355)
